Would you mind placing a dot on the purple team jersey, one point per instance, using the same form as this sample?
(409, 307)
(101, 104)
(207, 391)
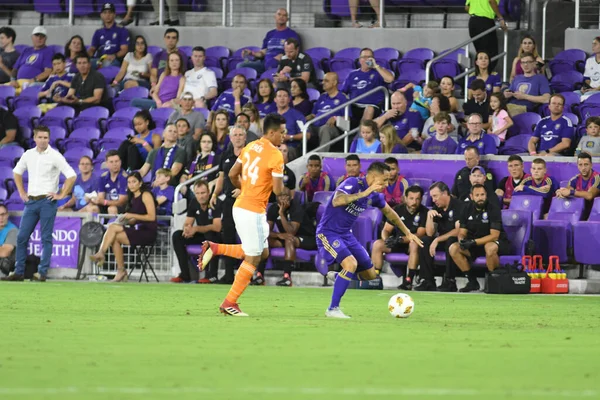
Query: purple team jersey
(59, 89)
(485, 144)
(359, 82)
(110, 40)
(273, 42)
(113, 189)
(81, 187)
(33, 62)
(325, 103)
(434, 146)
(404, 123)
(226, 101)
(291, 117)
(266, 108)
(552, 133)
(535, 85)
(165, 208)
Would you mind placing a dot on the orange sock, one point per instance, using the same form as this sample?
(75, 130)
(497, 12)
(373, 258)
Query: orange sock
(242, 279)
(229, 250)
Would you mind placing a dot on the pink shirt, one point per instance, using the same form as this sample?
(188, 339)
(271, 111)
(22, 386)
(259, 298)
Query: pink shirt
(499, 122)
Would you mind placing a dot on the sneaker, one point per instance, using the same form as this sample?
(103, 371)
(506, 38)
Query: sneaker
(425, 286)
(38, 277)
(12, 277)
(471, 286)
(232, 309)
(285, 281)
(406, 285)
(448, 285)
(176, 279)
(331, 276)
(259, 280)
(336, 313)
(208, 280)
(205, 255)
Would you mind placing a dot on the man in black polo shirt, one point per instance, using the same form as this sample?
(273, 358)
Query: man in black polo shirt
(480, 234)
(208, 227)
(414, 215)
(479, 103)
(224, 187)
(442, 229)
(462, 184)
(9, 124)
(88, 87)
(295, 64)
(296, 229)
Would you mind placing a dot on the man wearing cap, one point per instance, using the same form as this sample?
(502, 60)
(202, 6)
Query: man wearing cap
(478, 177)
(34, 65)
(186, 110)
(111, 42)
(461, 188)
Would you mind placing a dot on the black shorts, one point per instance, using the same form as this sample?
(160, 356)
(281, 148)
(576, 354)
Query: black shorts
(400, 248)
(104, 209)
(479, 251)
(307, 242)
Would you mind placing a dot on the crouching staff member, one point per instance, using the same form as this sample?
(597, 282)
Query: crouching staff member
(480, 235)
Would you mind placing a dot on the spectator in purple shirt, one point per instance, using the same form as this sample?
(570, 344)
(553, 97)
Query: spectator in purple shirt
(300, 100)
(332, 98)
(232, 100)
(477, 138)
(109, 43)
(159, 61)
(34, 65)
(440, 143)
(265, 97)
(529, 90)
(58, 83)
(552, 135)
(362, 80)
(169, 88)
(407, 122)
(272, 47)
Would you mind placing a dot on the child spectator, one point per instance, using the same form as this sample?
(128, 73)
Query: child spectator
(58, 82)
(500, 120)
(367, 142)
(390, 142)
(163, 193)
(422, 97)
(315, 180)
(441, 143)
(590, 143)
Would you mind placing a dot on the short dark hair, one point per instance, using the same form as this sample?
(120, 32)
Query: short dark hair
(560, 96)
(592, 120)
(391, 160)
(477, 84)
(378, 167)
(112, 153)
(366, 49)
(449, 77)
(9, 33)
(475, 149)
(183, 119)
(41, 128)
(477, 186)
(314, 157)
(540, 161)
(88, 158)
(441, 186)
(584, 155)
(199, 48)
(282, 90)
(201, 182)
(58, 56)
(414, 189)
(242, 115)
(515, 157)
(172, 30)
(525, 55)
(293, 41)
(272, 122)
(352, 157)
(82, 55)
(372, 125)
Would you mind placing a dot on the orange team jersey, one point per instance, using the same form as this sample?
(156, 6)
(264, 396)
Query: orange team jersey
(261, 161)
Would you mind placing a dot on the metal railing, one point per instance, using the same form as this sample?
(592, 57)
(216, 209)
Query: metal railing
(346, 107)
(178, 208)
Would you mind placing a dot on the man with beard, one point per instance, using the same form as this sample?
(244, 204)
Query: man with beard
(509, 183)
(480, 234)
(586, 184)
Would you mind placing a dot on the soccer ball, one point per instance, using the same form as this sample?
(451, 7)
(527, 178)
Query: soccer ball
(401, 305)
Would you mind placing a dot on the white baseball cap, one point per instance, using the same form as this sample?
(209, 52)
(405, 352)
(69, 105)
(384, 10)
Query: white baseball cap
(39, 30)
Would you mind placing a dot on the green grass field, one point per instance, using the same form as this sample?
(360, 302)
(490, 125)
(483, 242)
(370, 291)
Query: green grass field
(68, 340)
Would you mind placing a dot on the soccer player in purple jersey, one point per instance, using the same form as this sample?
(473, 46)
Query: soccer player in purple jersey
(335, 240)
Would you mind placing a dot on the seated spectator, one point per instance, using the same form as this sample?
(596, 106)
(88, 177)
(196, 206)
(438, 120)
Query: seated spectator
(479, 103)
(396, 185)
(57, 84)
(353, 5)
(169, 87)
(353, 169)
(9, 125)
(220, 130)
(169, 156)
(200, 81)
(461, 187)
(447, 89)
(422, 97)
(112, 188)
(8, 242)
(289, 178)
(202, 222)
(185, 140)
(367, 142)
(477, 138)
(406, 122)
(539, 183)
(34, 65)
(315, 179)
(128, 19)
(109, 43)
(172, 7)
(204, 159)
(500, 121)
(300, 100)
(439, 103)
(591, 84)
(195, 119)
(390, 142)
(330, 99)
(527, 46)
(243, 120)
(507, 185)
(293, 137)
(295, 64)
(441, 142)
(478, 177)
(272, 47)
(255, 126)
(364, 79)
(163, 192)
(159, 61)
(135, 70)
(265, 97)
(134, 150)
(88, 88)
(590, 143)
(85, 187)
(138, 224)
(492, 80)
(8, 54)
(73, 48)
(529, 90)
(586, 184)
(232, 100)
(553, 134)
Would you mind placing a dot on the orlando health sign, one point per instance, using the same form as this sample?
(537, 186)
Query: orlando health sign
(65, 244)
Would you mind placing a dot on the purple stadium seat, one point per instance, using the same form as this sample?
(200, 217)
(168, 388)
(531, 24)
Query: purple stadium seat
(187, 50)
(218, 52)
(14, 203)
(568, 60)
(414, 59)
(375, 216)
(114, 137)
(532, 204)
(122, 118)
(268, 74)
(28, 97)
(421, 53)
(410, 75)
(212, 62)
(161, 115)
(313, 94)
(154, 50)
(344, 59)
(83, 7)
(6, 177)
(59, 116)
(445, 66)
(515, 145)
(86, 136)
(204, 112)
(299, 196)
(342, 75)
(387, 57)
(238, 52)
(11, 154)
(48, 6)
(57, 48)
(319, 55)
(3, 194)
(571, 99)
(362, 230)
(322, 197)
(566, 81)
(574, 118)
(73, 155)
(249, 73)
(7, 95)
(589, 109)
(218, 72)
(124, 98)
(554, 235)
(586, 236)
(91, 117)
(524, 124)
(109, 73)
(320, 74)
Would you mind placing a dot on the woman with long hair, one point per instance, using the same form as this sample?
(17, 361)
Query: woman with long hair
(482, 71)
(135, 70)
(134, 150)
(527, 46)
(220, 130)
(255, 124)
(300, 100)
(447, 89)
(265, 97)
(169, 87)
(137, 227)
(73, 48)
(390, 142)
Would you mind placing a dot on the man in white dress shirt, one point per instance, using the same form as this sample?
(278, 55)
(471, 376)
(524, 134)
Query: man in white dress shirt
(44, 166)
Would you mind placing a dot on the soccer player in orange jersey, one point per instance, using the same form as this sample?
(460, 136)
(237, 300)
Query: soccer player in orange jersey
(258, 171)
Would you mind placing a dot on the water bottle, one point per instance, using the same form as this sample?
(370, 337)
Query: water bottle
(577, 151)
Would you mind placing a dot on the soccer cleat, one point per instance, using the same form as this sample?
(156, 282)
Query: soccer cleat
(176, 279)
(232, 309)
(331, 276)
(336, 313)
(259, 280)
(208, 280)
(406, 285)
(285, 282)
(448, 285)
(471, 286)
(205, 255)
(426, 286)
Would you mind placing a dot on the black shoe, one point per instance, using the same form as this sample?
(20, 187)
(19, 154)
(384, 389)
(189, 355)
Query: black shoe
(13, 278)
(426, 286)
(172, 23)
(471, 286)
(258, 281)
(285, 282)
(225, 281)
(406, 285)
(448, 285)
